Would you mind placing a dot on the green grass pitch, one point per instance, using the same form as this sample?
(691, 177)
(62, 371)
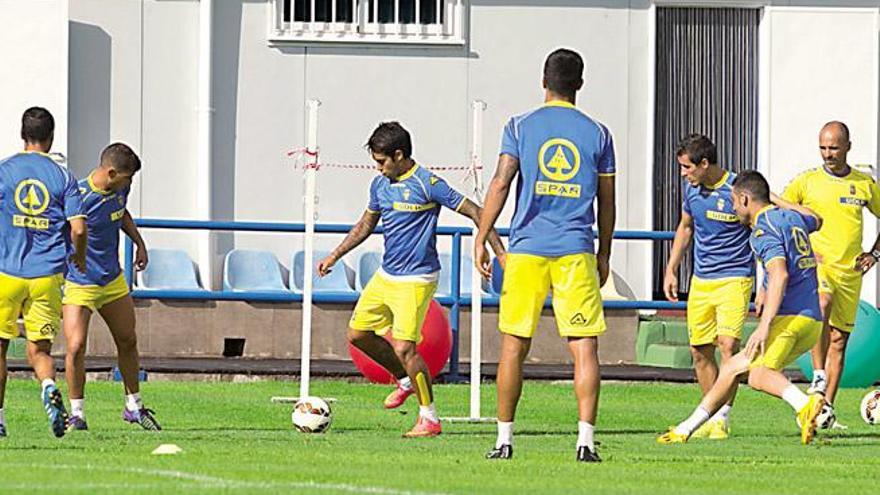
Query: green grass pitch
(235, 441)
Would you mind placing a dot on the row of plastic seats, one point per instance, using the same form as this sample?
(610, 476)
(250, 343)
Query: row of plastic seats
(251, 270)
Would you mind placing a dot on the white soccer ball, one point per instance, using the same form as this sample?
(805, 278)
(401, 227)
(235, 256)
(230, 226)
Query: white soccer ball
(824, 420)
(870, 407)
(311, 415)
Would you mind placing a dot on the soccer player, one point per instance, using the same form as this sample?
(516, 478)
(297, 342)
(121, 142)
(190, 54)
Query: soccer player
(102, 287)
(723, 268)
(407, 198)
(790, 319)
(838, 193)
(565, 160)
(39, 201)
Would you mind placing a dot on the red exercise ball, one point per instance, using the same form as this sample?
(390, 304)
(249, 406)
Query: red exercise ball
(435, 347)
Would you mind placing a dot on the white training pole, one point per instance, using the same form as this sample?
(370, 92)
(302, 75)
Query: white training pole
(477, 107)
(476, 294)
(476, 341)
(308, 264)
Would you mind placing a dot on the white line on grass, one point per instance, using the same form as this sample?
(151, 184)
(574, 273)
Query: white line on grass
(214, 481)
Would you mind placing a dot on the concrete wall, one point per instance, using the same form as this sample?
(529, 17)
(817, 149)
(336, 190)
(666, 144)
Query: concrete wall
(133, 76)
(34, 62)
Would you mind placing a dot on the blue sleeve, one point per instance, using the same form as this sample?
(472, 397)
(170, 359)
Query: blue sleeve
(767, 244)
(606, 163)
(811, 223)
(685, 202)
(509, 140)
(440, 192)
(72, 198)
(373, 204)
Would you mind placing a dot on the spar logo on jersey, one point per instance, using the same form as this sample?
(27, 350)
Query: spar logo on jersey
(31, 199)
(801, 241)
(559, 161)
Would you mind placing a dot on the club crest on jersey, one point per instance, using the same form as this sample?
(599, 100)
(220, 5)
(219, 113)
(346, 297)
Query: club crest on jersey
(852, 189)
(720, 204)
(406, 194)
(434, 179)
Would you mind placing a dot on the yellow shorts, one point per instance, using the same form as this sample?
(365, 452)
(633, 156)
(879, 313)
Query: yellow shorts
(845, 289)
(95, 296)
(38, 300)
(790, 336)
(400, 306)
(717, 307)
(577, 303)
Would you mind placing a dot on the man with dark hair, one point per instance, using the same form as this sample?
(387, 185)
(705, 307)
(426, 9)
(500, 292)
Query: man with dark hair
(790, 320)
(39, 201)
(407, 198)
(102, 287)
(839, 193)
(721, 285)
(565, 161)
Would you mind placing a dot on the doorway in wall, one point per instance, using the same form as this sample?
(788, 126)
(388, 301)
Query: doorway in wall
(706, 82)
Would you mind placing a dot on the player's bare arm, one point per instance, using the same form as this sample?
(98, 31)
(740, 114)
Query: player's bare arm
(358, 234)
(130, 228)
(469, 209)
(79, 238)
(683, 235)
(499, 189)
(607, 215)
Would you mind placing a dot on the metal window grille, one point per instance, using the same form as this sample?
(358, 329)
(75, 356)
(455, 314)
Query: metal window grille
(400, 21)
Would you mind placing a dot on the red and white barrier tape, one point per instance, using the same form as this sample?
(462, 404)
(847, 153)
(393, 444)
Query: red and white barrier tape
(299, 155)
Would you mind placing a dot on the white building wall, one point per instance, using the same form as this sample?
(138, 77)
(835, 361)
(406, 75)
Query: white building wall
(260, 92)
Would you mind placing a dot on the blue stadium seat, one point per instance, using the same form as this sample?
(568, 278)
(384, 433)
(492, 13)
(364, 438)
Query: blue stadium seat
(339, 280)
(252, 270)
(170, 269)
(444, 284)
(367, 265)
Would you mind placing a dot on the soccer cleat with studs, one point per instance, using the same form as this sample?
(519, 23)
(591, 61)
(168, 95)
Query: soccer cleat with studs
(143, 417)
(585, 454)
(77, 423)
(54, 405)
(503, 452)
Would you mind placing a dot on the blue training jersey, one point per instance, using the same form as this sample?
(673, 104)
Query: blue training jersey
(561, 152)
(37, 197)
(409, 208)
(104, 211)
(721, 242)
(780, 233)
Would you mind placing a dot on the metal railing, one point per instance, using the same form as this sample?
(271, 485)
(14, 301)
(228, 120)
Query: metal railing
(455, 300)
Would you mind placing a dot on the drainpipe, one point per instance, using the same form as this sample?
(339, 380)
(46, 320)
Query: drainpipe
(204, 170)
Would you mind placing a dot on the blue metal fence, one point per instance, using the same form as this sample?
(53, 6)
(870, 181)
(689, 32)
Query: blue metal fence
(454, 301)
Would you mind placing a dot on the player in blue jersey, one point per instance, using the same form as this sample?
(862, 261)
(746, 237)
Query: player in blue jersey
(39, 202)
(721, 286)
(407, 198)
(565, 162)
(102, 288)
(790, 319)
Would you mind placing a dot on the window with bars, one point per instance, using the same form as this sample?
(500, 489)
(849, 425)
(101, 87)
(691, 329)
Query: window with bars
(384, 21)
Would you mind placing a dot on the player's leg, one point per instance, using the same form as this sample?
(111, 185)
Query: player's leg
(577, 304)
(584, 351)
(835, 362)
(371, 314)
(819, 352)
(409, 303)
(731, 312)
(720, 394)
(524, 289)
(75, 325)
(4, 348)
(120, 318)
(790, 336)
(841, 321)
(42, 321)
(702, 330)
(13, 291)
